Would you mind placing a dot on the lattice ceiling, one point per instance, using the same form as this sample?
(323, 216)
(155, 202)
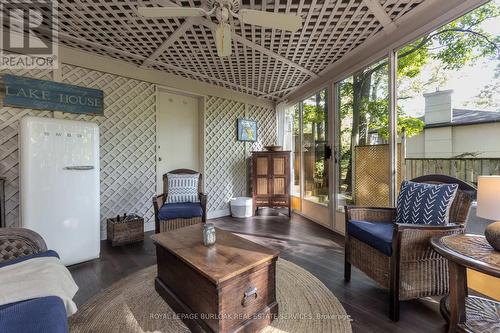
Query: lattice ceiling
(265, 62)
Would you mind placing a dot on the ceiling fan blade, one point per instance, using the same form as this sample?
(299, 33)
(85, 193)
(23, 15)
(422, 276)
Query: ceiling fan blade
(222, 36)
(159, 12)
(288, 22)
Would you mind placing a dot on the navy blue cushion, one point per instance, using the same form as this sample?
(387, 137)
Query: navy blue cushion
(376, 234)
(44, 314)
(421, 203)
(49, 253)
(182, 210)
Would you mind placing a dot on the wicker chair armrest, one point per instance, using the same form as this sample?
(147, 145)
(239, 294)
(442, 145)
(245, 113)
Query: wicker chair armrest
(159, 201)
(18, 242)
(431, 228)
(372, 214)
(413, 240)
(203, 198)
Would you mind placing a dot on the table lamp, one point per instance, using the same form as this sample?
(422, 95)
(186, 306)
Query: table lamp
(488, 207)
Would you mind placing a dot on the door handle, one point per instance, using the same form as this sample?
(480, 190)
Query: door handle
(328, 152)
(79, 167)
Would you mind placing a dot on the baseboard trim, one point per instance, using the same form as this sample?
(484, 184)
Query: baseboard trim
(315, 220)
(218, 213)
(149, 226)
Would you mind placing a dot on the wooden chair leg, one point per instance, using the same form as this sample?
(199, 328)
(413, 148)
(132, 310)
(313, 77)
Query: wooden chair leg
(393, 305)
(347, 270)
(394, 278)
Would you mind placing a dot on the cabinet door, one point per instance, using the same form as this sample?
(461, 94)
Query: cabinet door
(280, 174)
(261, 171)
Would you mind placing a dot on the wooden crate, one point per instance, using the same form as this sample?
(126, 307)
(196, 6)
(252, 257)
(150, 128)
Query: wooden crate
(121, 232)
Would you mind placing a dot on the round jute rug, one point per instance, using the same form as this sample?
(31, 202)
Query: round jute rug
(132, 305)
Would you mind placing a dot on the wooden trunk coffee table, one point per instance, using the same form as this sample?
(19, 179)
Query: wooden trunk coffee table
(227, 287)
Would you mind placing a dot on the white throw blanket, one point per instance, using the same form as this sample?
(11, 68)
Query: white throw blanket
(37, 277)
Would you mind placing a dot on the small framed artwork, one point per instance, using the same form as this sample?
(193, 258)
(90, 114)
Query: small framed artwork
(247, 130)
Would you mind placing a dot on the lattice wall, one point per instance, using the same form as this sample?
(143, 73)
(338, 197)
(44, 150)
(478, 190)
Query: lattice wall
(127, 143)
(266, 128)
(9, 124)
(225, 157)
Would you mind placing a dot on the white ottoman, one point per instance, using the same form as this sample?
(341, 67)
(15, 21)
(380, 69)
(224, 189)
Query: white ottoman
(241, 207)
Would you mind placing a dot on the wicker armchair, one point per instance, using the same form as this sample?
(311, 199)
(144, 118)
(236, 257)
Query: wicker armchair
(159, 201)
(414, 270)
(18, 242)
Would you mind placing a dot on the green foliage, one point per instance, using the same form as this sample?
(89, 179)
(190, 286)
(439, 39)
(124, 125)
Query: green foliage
(319, 170)
(411, 65)
(313, 114)
(459, 43)
(462, 42)
(411, 125)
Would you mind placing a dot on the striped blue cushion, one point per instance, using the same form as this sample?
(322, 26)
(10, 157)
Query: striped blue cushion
(182, 187)
(420, 203)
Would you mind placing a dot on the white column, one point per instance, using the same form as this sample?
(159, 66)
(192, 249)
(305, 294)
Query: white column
(280, 123)
(393, 135)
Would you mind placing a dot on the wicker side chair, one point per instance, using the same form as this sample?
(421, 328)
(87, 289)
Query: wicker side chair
(159, 201)
(414, 269)
(19, 242)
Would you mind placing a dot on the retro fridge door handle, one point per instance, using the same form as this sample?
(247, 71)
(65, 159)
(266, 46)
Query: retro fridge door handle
(79, 167)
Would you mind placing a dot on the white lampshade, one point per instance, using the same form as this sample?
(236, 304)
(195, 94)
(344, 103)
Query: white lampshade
(488, 197)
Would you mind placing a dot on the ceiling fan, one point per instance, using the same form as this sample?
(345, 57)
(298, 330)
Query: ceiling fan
(222, 10)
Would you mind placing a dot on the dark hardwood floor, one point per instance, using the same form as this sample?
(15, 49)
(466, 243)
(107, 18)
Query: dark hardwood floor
(307, 244)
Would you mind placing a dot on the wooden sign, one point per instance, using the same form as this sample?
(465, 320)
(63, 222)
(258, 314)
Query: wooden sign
(31, 93)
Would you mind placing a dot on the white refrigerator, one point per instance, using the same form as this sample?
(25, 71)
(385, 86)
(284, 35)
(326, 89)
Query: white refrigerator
(59, 185)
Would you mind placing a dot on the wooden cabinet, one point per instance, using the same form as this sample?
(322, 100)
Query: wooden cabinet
(271, 179)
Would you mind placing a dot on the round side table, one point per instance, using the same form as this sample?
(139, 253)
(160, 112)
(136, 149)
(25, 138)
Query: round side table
(468, 313)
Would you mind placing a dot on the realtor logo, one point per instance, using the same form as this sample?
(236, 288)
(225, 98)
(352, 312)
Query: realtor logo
(28, 36)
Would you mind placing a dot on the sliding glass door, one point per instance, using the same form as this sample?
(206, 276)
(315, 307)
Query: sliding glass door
(315, 141)
(362, 173)
(307, 123)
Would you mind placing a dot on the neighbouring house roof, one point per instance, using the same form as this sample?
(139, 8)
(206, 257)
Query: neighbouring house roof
(468, 117)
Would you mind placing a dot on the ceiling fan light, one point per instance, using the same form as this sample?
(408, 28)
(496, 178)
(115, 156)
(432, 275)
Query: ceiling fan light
(223, 40)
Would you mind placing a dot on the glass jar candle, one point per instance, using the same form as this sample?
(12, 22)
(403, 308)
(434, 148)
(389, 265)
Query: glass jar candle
(209, 234)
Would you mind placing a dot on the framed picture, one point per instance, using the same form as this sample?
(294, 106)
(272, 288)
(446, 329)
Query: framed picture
(247, 130)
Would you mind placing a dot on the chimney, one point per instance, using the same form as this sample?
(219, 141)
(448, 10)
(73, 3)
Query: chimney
(438, 107)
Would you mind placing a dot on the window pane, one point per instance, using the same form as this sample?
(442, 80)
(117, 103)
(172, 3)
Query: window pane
(363, 151)
(315, 139)
(449, 102)
(449, 106)
(292, 143)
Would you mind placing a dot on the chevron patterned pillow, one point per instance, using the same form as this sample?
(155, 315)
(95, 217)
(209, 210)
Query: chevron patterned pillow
(420, 203)
(182, 187)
